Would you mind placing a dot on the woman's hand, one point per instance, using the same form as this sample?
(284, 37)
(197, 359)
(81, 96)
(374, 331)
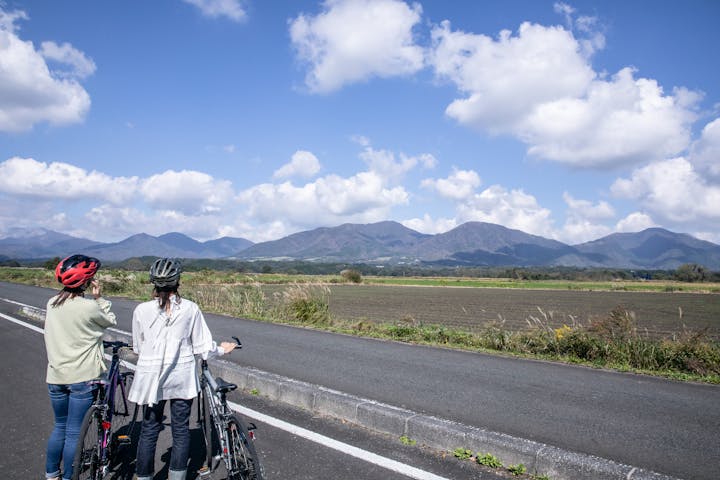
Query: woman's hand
(228, 346)
(96, 290)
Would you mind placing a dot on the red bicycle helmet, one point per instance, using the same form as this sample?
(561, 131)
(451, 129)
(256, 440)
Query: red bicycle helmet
(76, 270)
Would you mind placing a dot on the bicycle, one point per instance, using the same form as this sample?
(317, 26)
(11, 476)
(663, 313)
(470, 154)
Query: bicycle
(108, 426)
(226, 435)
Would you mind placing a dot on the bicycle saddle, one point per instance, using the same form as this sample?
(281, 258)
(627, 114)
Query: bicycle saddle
(223, 386)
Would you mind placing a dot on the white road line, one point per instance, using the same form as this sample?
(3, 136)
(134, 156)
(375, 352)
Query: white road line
(342, 447)
(20, 322)
(16, 303)
(370, 457)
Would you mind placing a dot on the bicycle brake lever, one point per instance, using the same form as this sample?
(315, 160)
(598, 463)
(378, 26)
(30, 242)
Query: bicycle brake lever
(237, 340)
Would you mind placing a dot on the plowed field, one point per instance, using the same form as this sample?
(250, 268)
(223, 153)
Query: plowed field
(659, 314)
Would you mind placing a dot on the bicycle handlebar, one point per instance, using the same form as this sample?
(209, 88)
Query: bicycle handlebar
(116, 345)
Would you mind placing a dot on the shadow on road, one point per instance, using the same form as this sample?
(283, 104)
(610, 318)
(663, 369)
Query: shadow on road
(124, 467)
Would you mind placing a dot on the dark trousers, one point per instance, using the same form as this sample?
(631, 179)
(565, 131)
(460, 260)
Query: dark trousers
(151, 427)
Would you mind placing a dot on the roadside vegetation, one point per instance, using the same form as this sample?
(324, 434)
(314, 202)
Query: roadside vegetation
(609, 341)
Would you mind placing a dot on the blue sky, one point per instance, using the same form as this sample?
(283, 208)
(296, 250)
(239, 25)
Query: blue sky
(258, 119)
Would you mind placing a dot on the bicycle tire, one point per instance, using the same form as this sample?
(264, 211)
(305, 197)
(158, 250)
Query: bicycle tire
(124, 426)
(211, 443)
(86, 464)
(244, 461)
(124, 419)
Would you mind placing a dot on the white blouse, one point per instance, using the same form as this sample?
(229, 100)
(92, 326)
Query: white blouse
(166, 346)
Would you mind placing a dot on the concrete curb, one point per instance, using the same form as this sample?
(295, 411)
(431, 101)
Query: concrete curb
(434, 432)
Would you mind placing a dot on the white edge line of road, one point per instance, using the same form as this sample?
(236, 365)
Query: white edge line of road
(387, 463)
(348, 449)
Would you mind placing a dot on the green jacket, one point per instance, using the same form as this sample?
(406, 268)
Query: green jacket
(73, 339)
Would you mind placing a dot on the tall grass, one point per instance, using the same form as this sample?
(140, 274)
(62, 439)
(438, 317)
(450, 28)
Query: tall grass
(308, 304)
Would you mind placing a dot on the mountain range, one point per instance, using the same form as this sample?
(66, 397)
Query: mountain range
(24, 244)
(470, 244)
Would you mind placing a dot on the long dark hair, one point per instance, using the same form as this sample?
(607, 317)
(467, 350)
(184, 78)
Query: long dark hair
(66, 293)
(163, 295)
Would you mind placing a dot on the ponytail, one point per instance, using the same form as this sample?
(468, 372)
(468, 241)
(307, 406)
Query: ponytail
(163, 295)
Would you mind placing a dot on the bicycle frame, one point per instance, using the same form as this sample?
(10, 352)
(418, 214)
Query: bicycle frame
(235, 438)
(218, 412)
(103, 410)
(107, 399)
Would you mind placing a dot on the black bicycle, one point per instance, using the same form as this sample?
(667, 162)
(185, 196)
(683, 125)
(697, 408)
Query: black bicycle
(108, 427)
(227, 437)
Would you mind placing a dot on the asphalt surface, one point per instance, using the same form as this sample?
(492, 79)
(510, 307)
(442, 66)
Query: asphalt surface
(663, 426)
(27, 422)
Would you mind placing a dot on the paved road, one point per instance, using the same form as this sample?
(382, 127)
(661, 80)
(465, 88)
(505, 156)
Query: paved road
(664, 426)
(27, 421)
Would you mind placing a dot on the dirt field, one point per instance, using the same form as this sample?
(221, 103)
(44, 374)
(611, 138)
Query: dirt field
(471, 308)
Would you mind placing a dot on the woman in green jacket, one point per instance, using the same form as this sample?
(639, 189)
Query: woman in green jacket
(74, 326)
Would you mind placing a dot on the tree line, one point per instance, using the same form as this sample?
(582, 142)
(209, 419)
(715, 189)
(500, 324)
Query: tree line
(688, 272)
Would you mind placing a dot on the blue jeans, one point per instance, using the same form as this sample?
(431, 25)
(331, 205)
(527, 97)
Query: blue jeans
(69, 404)
(151, 427)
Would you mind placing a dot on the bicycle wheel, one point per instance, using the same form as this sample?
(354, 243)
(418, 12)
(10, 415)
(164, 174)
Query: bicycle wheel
(86, 464)
(124, 418)
(244, 461)
(211, 442)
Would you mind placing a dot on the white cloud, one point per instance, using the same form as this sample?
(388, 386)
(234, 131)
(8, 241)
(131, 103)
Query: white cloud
(95, 205)
(496, 204)
(618, 121)
(30, 92)
(361, 140)
(580, 230)
(513, 209)
(8, 19)
(18, 212)
(585, 25)
(231, 9)
(354, 40)
(115, 222)
(713, 237)
(383, 162)
(583, 220)
(329, 200)
(672, 191)
(431, 226)
(82, 66)
(303, 164)
(459, 185)
(188, 191)
(586, 209)
(30, 178)
(539, 86)
(635, 222)
(705, 153)
(508, 77)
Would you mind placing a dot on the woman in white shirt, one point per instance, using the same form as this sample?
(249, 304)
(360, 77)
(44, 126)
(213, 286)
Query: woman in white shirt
(167, 334)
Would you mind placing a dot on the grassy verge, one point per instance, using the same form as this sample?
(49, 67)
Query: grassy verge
(612, 341)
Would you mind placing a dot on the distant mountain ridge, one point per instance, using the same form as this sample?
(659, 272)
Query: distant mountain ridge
(469, 244)
(48, 244)
(347, 242)
(485, 244)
